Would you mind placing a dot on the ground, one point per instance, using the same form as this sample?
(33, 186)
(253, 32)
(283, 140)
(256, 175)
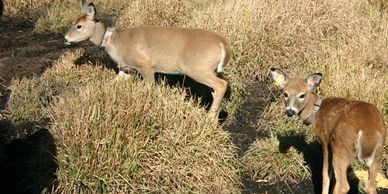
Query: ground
(26, 53)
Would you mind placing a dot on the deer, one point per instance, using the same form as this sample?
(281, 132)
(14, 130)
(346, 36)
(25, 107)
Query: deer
(197, 53)
(345, 128)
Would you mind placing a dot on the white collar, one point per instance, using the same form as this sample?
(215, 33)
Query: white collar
(311, 118)
(106, 37)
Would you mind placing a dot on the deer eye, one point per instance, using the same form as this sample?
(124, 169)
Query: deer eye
(79, 27)
(285, 95)
(302, 96)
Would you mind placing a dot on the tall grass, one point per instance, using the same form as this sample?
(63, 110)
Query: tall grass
(128, 139)
(121, 136)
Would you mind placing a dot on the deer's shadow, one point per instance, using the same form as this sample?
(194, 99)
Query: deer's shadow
(312, 153)
(194, 90)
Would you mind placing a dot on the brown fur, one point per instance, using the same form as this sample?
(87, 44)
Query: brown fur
(344, 127)
(81, 19)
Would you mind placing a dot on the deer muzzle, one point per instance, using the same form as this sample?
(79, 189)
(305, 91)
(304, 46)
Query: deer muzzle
(291, 111)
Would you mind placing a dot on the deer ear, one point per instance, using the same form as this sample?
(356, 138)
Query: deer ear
(91, 12)
(279, 77)
(84, 6)
(314, 80)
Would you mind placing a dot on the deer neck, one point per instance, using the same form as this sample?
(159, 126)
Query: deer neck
(98, 35)
(308, 113)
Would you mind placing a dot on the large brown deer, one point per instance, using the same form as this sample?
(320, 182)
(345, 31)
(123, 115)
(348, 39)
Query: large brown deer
(200, 54)
(344, 127)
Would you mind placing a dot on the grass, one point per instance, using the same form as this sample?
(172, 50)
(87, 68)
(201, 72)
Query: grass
(264, 162)
(25, 7)
(126, 136)
(345, 40)
(157, 146)
(30, 97)
(60, 15)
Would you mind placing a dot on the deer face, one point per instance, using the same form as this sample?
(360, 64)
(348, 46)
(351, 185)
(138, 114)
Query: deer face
(85, 25)
(296, 91)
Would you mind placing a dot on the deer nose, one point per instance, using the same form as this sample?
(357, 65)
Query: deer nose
(290, 112)
(67, 42)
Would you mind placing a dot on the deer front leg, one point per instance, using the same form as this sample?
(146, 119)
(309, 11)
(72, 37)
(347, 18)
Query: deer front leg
(145, 68)
(325, 169)
(122, 75)
(148, 75)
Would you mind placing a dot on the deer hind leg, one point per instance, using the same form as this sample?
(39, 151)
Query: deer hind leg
(219, 87)
(371, 154)
(340, 165)
(374, 166)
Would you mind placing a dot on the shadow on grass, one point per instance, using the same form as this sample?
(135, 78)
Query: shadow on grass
(27, 163)
(312, 153)
(193, 89)
(94, 56)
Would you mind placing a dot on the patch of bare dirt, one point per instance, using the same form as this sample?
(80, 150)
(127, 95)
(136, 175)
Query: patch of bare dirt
(23, 52)
(244, 129)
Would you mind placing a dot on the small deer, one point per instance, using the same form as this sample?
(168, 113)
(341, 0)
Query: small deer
(345, 128)
(197, 53)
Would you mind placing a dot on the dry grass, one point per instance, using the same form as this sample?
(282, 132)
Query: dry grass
(164, 13)
(30, 97)
(61, 14)
(346, 40)
(126, 136)
(25, 8)
(57, 15)
(265, 163)
(138, 142)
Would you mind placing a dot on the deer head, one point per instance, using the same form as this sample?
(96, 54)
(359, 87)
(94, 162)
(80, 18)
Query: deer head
(297, 92)
(85, 26)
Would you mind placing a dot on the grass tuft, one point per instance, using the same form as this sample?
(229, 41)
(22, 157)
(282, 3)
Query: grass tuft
(265, 163)
(31, 97)
(121, 136)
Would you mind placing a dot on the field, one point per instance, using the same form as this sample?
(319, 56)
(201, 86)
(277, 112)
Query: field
(67, 125)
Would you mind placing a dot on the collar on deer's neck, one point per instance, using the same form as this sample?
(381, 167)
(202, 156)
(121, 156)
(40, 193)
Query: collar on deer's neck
(311, 118)
(106, 37)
